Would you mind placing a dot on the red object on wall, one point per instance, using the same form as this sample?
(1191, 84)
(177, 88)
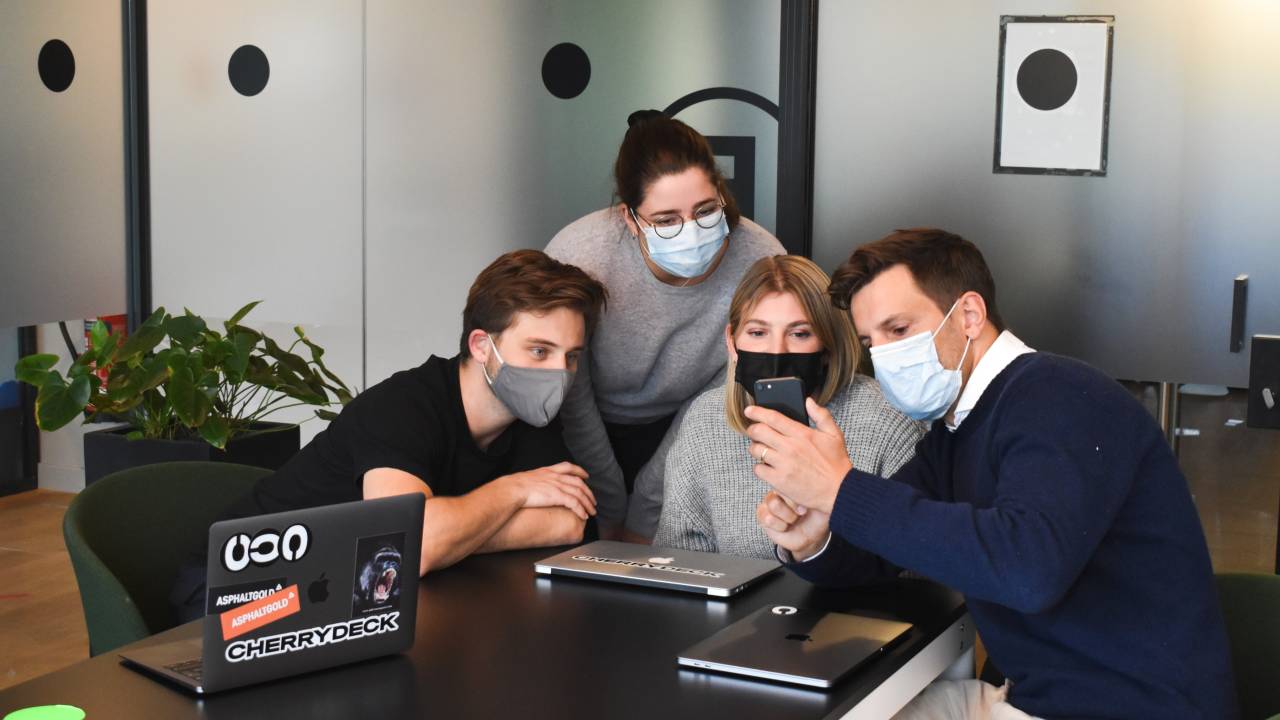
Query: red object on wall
(116, 324)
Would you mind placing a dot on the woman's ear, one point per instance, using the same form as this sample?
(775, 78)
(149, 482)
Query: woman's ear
(728, 344)
(625, 212)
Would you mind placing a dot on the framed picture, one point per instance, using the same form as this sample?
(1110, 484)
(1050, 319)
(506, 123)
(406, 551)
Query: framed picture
(1053, 94)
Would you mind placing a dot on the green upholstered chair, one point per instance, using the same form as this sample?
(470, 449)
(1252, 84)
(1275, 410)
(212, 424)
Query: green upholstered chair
(128, 533)
(1251, 608)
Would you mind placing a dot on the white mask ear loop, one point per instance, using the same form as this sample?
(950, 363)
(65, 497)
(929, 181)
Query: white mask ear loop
(496, 354)
(967, 340)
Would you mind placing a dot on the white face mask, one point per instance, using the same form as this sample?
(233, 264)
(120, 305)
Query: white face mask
(912, 377)
(690, 253)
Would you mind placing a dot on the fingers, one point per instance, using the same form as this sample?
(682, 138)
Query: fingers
(768, 519)
(765, 435)
(775, 420)
(577, 482)
(570, 501)
(580, 494)
(781, 509)
(822, 419)
(567, 468)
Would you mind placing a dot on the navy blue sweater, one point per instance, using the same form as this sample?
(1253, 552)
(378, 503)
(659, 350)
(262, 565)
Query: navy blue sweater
(1059, 511)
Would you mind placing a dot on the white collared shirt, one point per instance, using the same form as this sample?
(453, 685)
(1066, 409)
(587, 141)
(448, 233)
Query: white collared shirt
(1003, 351)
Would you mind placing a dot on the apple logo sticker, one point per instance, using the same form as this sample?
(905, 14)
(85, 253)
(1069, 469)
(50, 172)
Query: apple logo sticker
(318, 590)
(784, 610)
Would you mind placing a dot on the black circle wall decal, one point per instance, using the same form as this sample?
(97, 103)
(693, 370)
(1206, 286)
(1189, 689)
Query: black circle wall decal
(248, 70)
(1047, 79)
(566, 70)
(57, 65)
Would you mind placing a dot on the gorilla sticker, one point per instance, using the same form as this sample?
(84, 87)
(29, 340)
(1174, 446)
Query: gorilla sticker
(377, 576)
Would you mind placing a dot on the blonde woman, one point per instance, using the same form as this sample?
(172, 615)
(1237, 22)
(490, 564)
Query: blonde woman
(781, 323)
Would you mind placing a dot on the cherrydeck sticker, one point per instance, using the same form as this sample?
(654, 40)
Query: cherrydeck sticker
(258, 613)
(230, 597)
(314, 637)
(377, 574)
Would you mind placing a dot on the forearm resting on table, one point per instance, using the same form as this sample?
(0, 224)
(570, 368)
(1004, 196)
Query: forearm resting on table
(536, 527)
(452, 527)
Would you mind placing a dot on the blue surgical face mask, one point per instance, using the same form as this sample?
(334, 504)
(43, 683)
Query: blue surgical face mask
(690, 253)
(913, 379)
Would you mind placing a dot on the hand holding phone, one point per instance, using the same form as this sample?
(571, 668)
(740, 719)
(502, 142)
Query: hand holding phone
(783, 394)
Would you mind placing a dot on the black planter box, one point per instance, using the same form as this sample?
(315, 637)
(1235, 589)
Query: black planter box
(108, 451)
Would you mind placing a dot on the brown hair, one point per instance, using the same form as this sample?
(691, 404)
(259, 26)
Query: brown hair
(805, 281)
(656, 145)
(944, 265)
(528, 281)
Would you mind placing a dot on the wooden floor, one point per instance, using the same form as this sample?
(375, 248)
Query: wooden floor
(41, 621)
(1234, 474)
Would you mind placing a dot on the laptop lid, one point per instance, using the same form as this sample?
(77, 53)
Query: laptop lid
(667, 568)
(298, 591)
(794, 645)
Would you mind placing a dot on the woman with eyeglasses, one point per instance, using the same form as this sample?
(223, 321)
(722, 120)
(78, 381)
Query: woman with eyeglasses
(670, 252)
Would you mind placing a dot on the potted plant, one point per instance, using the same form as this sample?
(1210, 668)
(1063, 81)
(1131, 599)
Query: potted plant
(185, 391)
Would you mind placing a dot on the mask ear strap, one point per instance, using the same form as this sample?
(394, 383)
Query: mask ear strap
(964, 354)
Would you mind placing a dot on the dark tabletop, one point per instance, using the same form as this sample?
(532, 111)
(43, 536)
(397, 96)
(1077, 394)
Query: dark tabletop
(495, 639)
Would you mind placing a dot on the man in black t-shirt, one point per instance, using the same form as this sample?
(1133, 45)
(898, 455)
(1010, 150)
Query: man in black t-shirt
(476, 433)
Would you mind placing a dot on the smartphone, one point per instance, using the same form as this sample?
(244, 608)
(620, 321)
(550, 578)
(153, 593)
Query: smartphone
(784, 394)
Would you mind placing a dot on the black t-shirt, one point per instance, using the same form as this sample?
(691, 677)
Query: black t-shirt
(412, 421)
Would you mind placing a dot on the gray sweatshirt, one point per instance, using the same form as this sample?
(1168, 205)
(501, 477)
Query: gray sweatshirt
(657, 346)
(711, 487)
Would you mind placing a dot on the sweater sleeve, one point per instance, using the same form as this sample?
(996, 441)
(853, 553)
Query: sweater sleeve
(1061, 474)
(685, 522)
(646, 500)
(587, 440)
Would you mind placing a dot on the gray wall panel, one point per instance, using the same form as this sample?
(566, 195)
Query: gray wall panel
(260, 197)
(62, 246)
(1131, 272)
(470, 156)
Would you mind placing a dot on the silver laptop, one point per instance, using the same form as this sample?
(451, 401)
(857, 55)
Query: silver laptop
(793, 645)
(298, 591)
(667, 568)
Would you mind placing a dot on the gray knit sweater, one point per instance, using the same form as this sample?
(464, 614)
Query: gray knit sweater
(712, 490)
(656, 347)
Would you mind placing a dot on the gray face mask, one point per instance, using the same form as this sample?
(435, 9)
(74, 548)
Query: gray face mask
(532, 394)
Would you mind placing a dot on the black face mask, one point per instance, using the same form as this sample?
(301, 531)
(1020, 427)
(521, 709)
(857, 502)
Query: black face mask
(811, 368)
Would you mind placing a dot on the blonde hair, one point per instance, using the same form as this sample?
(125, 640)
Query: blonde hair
(808, 284)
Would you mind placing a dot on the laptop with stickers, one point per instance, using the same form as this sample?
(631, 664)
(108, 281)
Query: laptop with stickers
(666, 568)
(293, 592)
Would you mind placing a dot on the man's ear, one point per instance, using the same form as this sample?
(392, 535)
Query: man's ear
(974, 314)
(478, 344)
(728, 344)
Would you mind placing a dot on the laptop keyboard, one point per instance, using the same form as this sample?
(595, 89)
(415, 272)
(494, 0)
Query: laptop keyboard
(192, 669)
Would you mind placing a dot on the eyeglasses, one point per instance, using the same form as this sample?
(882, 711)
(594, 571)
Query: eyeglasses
(667, 227)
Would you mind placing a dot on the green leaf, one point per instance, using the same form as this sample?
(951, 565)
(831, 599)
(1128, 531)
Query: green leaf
(156, 319)
(133, 435)
(143, 340)
(235, 319)
(34, 369)
(214, 431)
(326, 414)
(189, 403)
(236, 364)
(184, 329)
(59, 403)
(98, 335)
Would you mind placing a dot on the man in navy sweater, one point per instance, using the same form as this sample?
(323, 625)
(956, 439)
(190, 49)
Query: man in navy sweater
(1043, 491)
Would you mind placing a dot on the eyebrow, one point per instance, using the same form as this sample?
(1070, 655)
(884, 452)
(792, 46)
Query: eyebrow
(540, 341)
(797, 323)
(897, 317)
(696, 205)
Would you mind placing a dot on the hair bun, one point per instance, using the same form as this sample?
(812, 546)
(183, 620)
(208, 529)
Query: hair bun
(643, 116)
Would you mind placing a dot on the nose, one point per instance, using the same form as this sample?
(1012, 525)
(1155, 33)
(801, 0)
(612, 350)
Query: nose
(778, 344)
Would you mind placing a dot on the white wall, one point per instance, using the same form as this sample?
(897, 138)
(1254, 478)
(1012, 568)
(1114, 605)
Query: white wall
(1133, 271)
